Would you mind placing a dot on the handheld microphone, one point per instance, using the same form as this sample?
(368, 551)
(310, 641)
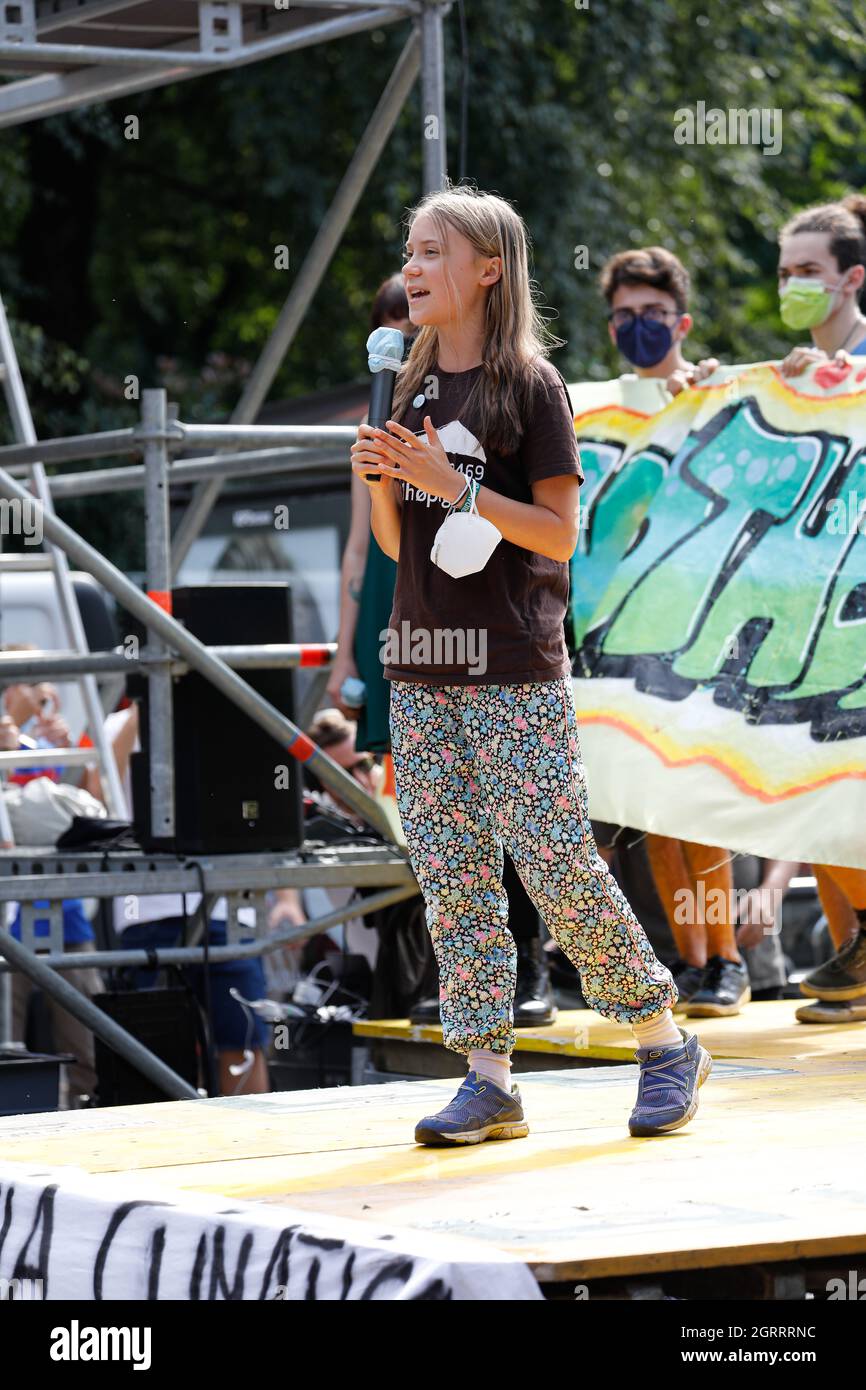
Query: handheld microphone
(385, 347)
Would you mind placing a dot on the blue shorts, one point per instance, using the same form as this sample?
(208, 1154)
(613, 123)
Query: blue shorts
(231, 1023)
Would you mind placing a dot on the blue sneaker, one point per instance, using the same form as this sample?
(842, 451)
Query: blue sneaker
(667, 1093)
(480, 1110)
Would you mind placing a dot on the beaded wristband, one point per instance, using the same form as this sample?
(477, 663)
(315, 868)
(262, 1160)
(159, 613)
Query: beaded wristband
(469, 498)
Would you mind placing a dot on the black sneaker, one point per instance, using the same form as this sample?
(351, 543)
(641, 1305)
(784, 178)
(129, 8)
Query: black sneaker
(688, 980)
(533, 997)
(843, 976)
(833, 1011)
(723, 991)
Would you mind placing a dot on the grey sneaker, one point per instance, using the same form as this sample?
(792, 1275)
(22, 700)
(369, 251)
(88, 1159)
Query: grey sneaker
(667, 1093)
(480, 1110)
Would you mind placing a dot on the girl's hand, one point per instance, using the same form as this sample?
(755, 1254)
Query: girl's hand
(366, 458)
(801, 358)
(425, 465)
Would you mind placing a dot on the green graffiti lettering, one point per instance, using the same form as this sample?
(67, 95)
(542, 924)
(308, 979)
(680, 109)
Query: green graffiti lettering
(619, 496)
(729, 523)
(837, 657)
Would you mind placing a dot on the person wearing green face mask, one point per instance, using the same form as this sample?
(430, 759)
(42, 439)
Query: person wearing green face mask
(822, 268)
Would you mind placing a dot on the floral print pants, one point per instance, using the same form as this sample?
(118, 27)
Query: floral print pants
(479, 767)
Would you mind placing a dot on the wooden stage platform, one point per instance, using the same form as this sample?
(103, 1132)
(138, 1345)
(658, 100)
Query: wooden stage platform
(770, 1172)
(766, 1031)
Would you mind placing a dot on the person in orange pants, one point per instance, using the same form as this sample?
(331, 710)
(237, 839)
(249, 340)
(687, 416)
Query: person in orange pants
(839, 985)
(647, 292)
(695, 886)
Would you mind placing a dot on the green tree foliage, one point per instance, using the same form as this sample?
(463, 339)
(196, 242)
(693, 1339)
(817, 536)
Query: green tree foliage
(155, 257)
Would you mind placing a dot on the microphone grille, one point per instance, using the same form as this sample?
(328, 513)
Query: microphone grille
(385, 348)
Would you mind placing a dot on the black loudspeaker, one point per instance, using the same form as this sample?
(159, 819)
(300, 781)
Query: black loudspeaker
(236, 788)
(164, 1020)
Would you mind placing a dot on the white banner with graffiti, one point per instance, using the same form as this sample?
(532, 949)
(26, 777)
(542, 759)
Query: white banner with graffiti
(719, 610)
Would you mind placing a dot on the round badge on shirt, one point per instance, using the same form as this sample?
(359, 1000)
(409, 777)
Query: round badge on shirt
(419, 401)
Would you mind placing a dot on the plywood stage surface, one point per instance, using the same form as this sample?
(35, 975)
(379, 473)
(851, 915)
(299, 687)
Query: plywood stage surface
(770, 1169)
(768, 1031)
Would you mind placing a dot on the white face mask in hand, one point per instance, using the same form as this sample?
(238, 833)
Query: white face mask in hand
(464, 543)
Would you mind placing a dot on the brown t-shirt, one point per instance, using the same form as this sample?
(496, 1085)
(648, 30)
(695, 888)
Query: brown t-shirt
(504, 624)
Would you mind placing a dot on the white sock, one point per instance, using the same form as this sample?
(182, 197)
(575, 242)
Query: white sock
(659, 1032)
(496, 1066)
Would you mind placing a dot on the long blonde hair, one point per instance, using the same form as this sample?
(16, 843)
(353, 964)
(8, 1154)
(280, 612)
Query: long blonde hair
(516, 335)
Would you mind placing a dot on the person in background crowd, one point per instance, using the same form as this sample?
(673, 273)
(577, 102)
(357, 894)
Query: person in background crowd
(822, 268)
(821, 275)
(758, 914)
(367, 578)
(647, 292)
(840, 983)
(335, 735)
(32, 718)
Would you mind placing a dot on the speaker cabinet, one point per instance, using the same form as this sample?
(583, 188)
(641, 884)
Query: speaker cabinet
(164, 1021)
(236, 788)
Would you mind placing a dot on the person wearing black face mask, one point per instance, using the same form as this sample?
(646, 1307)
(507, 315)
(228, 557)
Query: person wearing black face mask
(647, 293)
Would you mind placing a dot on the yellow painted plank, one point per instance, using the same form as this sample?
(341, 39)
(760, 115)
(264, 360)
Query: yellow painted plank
(765, 1031)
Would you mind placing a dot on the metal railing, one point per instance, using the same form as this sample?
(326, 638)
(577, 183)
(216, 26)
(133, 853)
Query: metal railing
(170, 650)
(156, 437)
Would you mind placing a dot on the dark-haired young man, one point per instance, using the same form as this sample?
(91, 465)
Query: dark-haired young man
(647, 292)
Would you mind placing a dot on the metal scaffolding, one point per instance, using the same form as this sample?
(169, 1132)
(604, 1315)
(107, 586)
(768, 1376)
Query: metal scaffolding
(65, 54)
(61, 55)
(47, 877)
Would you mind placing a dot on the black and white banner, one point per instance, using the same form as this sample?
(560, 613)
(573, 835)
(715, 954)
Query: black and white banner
(66, 1234)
